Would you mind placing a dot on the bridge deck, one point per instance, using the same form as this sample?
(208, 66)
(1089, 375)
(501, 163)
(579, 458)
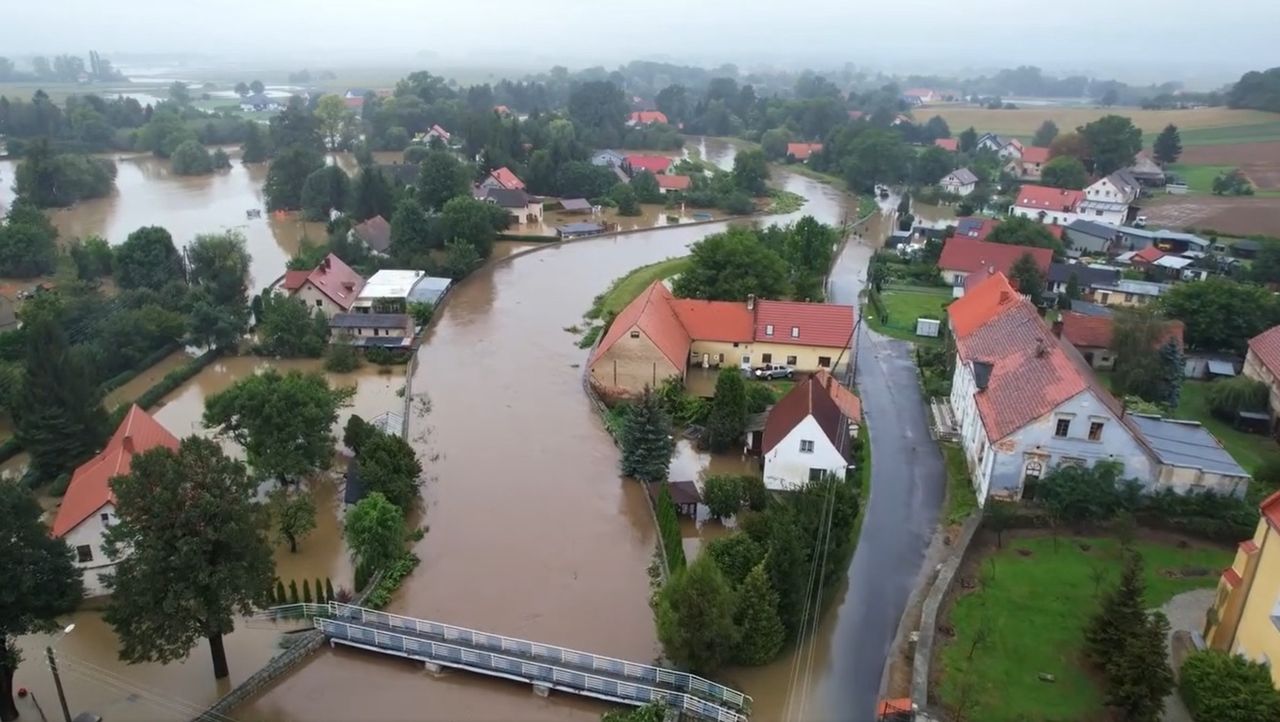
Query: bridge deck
(542, 665)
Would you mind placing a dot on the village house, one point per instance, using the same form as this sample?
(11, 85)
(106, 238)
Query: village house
(608, 159)
(88, 507)
(800, 152)
(393, 290)
(1090, 237)
(1006, 149)
(951, 145)
(1243, 617)
(1109, 199)
(808, 433)
(584, 229)
(1135, 239)
(960, 182)
(976, 228)
(1029, 164)
(963, 255)
(1088, 278)
(435, 132)
(1262, 363)
(657, 336)
(646, 117)
(655, 164)
(674, 183)
(919, 96)
(385, 330)
(257, 103)
(1091, 336)
(1146, 171)
(374, 234)
(522, 207)
(1051, 206)
(332, 286)
(1126, 292)
(503, 178)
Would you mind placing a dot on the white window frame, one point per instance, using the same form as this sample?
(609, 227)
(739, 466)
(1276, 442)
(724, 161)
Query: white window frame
(806, 446)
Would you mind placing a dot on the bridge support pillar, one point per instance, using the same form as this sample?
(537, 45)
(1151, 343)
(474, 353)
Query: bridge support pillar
(433, 668)
(541, 690)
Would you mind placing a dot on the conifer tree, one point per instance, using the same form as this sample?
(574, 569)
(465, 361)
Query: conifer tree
(646, 440)
(760, 629)
(329, 596)
(280, 595)
(293, 592)
(1122, 610)
(306, 591)
(728, 418)
(320, 598)
(695, 618)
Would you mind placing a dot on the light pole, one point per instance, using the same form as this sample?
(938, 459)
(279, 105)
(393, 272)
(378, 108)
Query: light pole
(53, 666)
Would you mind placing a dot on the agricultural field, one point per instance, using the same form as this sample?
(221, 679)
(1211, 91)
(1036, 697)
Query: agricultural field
(1239, 216)
(1199, 126)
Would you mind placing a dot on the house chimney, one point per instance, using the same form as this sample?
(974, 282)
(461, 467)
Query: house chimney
(751, 301)
(1057, 327)
(324, 265)
(1004, 297)
(127, 444)
(1042, 348)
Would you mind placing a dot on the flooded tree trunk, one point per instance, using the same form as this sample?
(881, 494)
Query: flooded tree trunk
(8, 710)
(293, 543)
(219, 654)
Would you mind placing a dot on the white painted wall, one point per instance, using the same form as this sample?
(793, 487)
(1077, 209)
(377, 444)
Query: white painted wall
(786, 467)
(1060, 218)
(91, 532)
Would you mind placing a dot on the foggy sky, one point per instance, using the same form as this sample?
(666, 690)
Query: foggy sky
(1137, 40)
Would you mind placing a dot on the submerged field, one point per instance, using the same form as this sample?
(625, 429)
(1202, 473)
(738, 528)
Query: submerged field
(1201, 126)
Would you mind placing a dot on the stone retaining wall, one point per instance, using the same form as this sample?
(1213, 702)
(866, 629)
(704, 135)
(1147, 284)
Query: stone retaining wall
(932, 604)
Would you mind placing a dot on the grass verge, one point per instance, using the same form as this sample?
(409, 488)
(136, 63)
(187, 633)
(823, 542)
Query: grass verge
(1034, 608)
(903, 308)
(1199, 178)
(1249, 450)
(623, 290)
(961, 500)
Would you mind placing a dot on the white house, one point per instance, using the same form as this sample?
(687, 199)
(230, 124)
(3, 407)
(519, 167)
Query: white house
(959, 182)
(1108, 199)
(1051, 206)
(1006, 149)
(332, 286)
(88, 508)
(807, 433)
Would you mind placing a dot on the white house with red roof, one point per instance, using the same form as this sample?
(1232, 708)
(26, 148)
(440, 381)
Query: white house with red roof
(655, 164)
(1262, 363)
(503, 178)
(800, 152)
(332, 286)
(674, 183)
(435, 132)
(1051, 206)
(963, 255)
(807, 433)
(1030, 164)
(646, 117)
(88, 507)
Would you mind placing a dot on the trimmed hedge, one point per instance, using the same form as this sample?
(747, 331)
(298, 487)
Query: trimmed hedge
(123, 378)
(166, 385)
(380, 595)
(669, 529)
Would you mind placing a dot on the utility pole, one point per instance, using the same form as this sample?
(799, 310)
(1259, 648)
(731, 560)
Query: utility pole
(57, 681)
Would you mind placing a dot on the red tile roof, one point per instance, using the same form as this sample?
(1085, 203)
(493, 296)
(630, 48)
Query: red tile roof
(802, 151)
(1035, 154)
(984, 229)
(444, 134)
(501, 110)
(507, 179)
(1266, 346)
(713, 320)
(1150, 254)
(354, 103)
(980, 304)
(655, 164)
(645, 117)
(1084, 331)
(961, 253)
(807, 398)
(951, 144)
(816, 324)
(848, 403)
(336, 280)
(90, 487)
(293, 280)
(651, 312)
(1043, 198)
(674, 182)
(855, 114)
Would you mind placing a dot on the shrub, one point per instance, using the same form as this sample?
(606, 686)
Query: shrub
(722, 495)
(306, 591)
(760, 397)
(1227, 397)
(293, 592)
(1226, 687)
(669, 529)
(341, 357)
(392, 577)
(280, 596)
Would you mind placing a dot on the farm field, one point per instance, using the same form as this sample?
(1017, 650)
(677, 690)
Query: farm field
(1198, 126)
(1240, 216)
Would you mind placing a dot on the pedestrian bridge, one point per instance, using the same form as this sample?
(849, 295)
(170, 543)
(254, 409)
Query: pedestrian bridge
(544, 666)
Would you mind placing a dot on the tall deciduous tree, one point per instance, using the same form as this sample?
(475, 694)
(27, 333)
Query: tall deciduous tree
(218, 271)
(623, 195)
(760, 630)
(1114, 141)
(1220, 314)
(333, 118)
(730, 266)
(28, 243)
(375, 531)
(287, 175)
(750, 171)
(968, 140)
(192, 551)
(728, 418)
(646, 187)
(1064, 172)
(1027, 277)
(1168, 145)
(695, 618)
(282, 421)
(646, 440)
(254, 149)
(148, 259)
(473, 221)
(324, 191)
(1045, 134)
(191, 158)
(294, 515)
(372, 195)
(413, 233)
(40, 582)
(58, 413)
(1073, 144)
(442, 178)
(389, 465)
(289, 329)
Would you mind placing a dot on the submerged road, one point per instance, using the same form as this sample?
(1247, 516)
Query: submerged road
(907, 483)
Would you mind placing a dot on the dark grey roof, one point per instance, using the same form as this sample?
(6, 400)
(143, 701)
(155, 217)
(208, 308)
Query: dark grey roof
(369, 320)
(1124, 179)
(1185, 443)
(1085, 276)
(376, 233)
(965, 226)
(507, 198)
(963, 176)
(575, 204)
(1091, 309)
(580, 228)
(1093, 228)
(1246, 244)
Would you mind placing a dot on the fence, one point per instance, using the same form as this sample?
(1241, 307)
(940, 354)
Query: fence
(932, 605)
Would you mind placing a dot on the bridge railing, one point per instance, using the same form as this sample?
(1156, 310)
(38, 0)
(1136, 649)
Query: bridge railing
(558, 656)
(522, 670)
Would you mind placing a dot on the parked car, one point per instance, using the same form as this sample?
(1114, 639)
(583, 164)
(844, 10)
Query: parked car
(773, 371)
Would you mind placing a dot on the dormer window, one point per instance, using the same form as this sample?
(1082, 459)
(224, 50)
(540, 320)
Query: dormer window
(795, 332)
(768, 329)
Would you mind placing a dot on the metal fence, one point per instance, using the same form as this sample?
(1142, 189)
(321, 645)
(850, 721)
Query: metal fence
(549, 654)
(533, 672)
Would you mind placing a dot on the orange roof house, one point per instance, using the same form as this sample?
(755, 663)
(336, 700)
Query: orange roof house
(801, 151)
(332, 286)
(503, 178)
(674, 183)
(948, 144)
(647, 117)
(655, 164)
(962, 255)
(1091, 336)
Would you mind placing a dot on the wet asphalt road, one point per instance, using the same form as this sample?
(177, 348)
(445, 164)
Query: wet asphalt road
(907, 483)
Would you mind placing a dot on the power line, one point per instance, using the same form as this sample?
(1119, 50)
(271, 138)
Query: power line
(101, 675)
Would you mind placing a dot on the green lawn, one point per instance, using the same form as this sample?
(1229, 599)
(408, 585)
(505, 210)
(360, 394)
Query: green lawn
(624, 289)
(904, 307)
(1199, 178)
(1224, 135)
(1249, 450)
(1035, 609)
(961, 500)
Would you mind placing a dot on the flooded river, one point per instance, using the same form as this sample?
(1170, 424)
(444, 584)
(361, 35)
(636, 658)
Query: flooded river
(533, 533)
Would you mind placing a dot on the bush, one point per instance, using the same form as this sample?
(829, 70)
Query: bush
(341, 357)
(280, 597)
(760, 397)
(1227, 397)
(1221, 687)
(391, 579)
(669, 530)
(723, 495)
(191, 158)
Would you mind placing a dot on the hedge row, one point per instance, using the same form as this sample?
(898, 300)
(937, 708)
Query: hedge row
(669, 529)
(381, 593)
(168, 384)
(125, 377)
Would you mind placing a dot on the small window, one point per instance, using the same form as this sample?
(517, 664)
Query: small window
(816, 475)
(1095, 431)
(84, 553)
(106, 518)
(1063, 428)
(319, 303)
(806, 446)
(824, 362)
(635, 334)
(1128, 298)
(795, 332)
(766, 358)
(791, 360)
(768, 329)
(1033, 470)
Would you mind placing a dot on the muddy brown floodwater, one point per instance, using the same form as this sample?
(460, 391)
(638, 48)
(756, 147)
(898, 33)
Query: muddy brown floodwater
(533, 533)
